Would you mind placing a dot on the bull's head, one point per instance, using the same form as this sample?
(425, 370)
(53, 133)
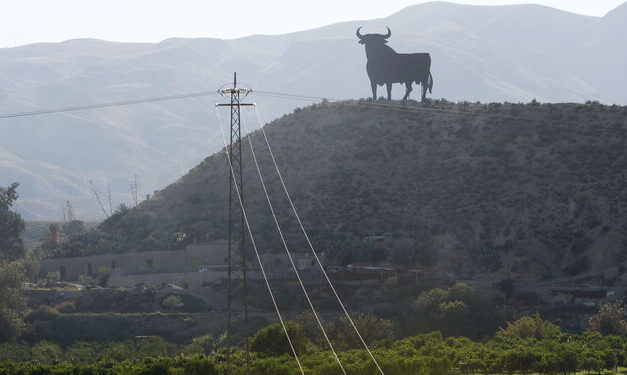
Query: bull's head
(373, 38)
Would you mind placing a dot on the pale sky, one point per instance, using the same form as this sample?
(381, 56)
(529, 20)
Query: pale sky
(30, 21)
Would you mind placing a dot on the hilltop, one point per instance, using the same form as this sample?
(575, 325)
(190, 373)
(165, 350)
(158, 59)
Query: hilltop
(517, 190)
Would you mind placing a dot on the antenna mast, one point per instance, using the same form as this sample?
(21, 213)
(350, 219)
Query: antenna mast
(63, 210)
(94, 191)
(134, 189)
(237, 300)
(70, 212)
(109, 198)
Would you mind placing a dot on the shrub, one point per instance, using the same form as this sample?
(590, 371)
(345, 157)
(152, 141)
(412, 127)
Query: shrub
(197, 365)
(81, 352)
(102, 276)
(52, 278)
(172, 302)
(66, 307)
(43, 312)
(46, 352)
(14, 352)
(580, 265)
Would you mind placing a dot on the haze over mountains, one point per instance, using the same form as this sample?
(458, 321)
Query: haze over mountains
(504, 53)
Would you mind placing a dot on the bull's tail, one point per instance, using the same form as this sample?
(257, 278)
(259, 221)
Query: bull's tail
(430, 82)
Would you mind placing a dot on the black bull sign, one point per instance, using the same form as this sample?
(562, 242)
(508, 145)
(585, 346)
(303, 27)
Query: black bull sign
(385, 66)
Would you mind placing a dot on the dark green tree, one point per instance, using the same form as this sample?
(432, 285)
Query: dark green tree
(204, 344)
(12, 248)
(532, 326)
(371, 328)
(271, 341)
(73, 228)
(102, 276)
(52, 239)
(307, 321)
(12, 303)
(457, 311)
(11, 225)
(609, 320)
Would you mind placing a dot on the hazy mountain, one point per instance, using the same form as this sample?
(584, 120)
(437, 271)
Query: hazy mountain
(504, 53)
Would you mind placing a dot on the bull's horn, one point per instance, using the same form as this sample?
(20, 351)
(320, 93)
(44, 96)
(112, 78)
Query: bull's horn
(389, 33)
(358, 34)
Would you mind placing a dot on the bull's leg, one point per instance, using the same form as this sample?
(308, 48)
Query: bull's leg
(424, 91)
(389, 87)
(374, 90)
(408, 89)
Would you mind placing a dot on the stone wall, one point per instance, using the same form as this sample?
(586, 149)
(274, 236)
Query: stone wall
(146, 262)
(189, 279)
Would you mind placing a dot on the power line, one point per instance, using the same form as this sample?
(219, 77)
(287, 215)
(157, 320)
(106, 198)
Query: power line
(423, 109)
(289, 255)
(313, 251)
(275, 94)
(254, 243)
(110, 104)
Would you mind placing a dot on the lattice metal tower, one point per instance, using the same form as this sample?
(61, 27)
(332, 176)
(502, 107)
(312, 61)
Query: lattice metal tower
(237, 332)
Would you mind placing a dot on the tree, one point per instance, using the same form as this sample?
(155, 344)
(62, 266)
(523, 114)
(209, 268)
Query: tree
(11, 225)
(73, 228)
(609, 320)
(530, 327)
(308, 323)
(12, 303)
(453, 316)
(53, 237)
(154, 347)
(271, 341)
(371, 328)
(46, 352)
(102, 276)
(204, 344)
(429, 301)
(82, 352)
(458, 310)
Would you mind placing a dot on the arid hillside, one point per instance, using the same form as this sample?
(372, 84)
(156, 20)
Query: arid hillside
(534, 191)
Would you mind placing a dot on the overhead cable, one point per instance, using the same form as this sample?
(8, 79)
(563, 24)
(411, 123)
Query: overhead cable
(302, 227)
(289, 255)
(109, 104)
(252, 239)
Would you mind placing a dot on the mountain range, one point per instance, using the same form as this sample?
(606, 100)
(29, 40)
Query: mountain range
(480, 53)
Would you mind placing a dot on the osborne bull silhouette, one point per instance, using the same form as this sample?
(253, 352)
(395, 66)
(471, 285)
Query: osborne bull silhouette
(386, 66)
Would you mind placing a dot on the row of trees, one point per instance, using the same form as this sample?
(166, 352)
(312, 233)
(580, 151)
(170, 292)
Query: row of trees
(547, 350)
